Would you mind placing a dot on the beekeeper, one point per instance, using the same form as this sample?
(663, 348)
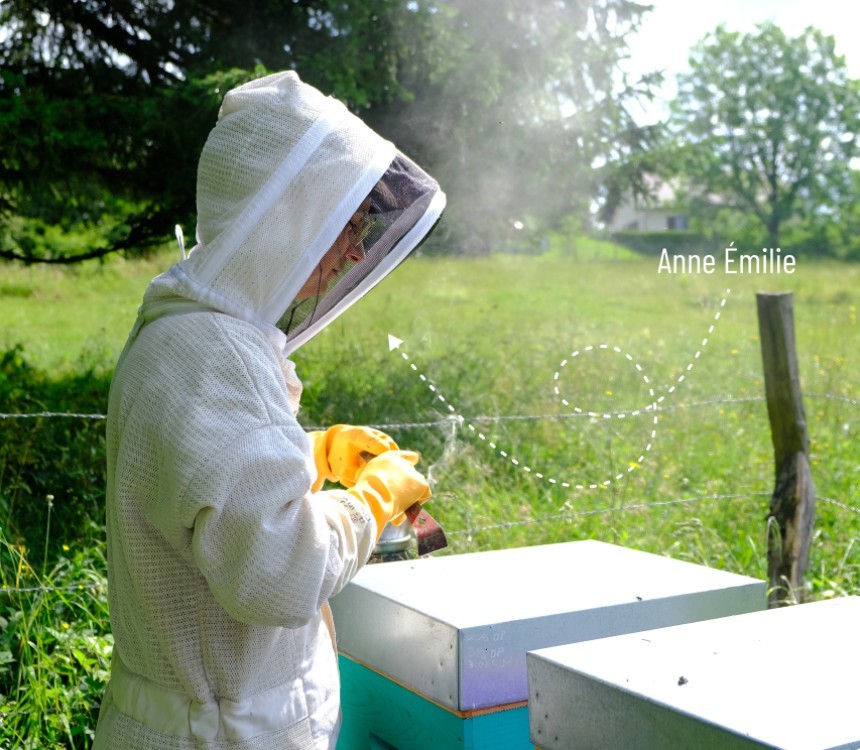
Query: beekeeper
(222, 548)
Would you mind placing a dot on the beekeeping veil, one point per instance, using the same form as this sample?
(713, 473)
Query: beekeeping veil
(280, 177)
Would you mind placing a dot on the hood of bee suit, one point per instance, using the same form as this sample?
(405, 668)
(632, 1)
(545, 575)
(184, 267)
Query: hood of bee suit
(281, 175)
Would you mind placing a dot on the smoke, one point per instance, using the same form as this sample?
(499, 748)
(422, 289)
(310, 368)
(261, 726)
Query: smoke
(522, 103)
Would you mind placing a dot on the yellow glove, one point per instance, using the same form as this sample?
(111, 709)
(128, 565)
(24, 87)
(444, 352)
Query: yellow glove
(341, 452)
(388, 485)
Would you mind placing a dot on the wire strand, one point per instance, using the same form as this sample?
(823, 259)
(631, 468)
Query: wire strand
(603, 511)
(489, 419)
(53, 415)
(715, 497)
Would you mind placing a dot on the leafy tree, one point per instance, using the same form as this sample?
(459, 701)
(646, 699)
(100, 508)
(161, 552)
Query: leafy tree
(832, 233)
(525, 118)
(105, 105)
(767, 124)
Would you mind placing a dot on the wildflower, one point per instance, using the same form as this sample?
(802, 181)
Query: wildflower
(65, 548)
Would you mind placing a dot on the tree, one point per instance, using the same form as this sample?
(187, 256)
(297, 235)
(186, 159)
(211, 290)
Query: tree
(768, 125)
(525, 118)
(105, 105)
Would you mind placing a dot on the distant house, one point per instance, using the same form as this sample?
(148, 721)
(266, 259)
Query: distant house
(657, 212)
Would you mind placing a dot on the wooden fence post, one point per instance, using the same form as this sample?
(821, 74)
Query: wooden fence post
(792, 505)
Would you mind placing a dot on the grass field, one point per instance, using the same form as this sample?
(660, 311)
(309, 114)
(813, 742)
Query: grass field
(496, 338)
(491, 335)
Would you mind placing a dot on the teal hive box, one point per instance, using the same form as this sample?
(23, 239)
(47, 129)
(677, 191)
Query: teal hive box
(433, 651)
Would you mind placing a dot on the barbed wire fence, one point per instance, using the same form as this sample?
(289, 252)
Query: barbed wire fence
(448, 426)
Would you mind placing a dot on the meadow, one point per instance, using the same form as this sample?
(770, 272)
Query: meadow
(552, 398)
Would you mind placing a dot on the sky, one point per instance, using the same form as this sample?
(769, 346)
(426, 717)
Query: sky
(674, 26)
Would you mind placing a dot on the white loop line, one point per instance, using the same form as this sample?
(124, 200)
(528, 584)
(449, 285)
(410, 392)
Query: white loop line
(652, 407)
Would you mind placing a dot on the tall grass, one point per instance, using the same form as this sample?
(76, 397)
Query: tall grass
(490, 335)
(494, 337)
(55, 647)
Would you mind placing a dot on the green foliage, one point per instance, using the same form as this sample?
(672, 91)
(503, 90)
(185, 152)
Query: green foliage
(489, 334)
(51, 469)
(105, 106)
(584, 247)
(524, 104)
(55, 647)
(39, 240)
(768, 128)
(652, 243)
(835, 233)
(724, 224)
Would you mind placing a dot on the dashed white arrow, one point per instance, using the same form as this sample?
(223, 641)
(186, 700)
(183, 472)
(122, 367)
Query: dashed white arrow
(395, 343)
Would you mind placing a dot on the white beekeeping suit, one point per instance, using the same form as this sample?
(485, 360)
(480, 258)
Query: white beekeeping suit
(221, 558)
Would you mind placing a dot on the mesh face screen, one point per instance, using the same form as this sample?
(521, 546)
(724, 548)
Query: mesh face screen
(398, 201)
